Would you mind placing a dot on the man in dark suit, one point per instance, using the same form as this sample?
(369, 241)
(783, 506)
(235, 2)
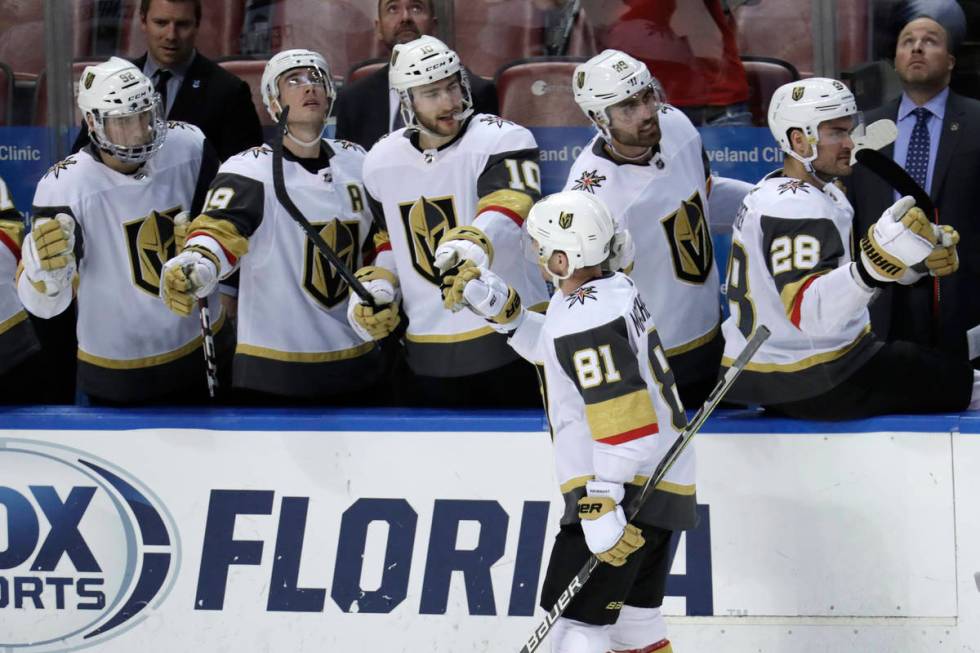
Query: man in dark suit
(367, 109)
(939, 145)
(193, 88)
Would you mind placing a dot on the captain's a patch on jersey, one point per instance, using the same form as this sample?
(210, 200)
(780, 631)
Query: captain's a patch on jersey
(579, 295)
(589, 181)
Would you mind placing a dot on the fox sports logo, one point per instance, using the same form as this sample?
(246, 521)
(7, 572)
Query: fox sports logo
(86, 550)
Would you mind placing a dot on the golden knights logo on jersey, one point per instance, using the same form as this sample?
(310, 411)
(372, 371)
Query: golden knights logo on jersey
(320, 279)
(150, 241)
(426, 221)
(690, 240)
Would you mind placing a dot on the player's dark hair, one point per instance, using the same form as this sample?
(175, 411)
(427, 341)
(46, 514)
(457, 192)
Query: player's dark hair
(145, 8)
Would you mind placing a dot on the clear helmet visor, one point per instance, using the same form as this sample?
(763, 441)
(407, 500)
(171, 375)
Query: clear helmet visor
(131, 134)
(638, 106)
(301, 77)
(837, 131)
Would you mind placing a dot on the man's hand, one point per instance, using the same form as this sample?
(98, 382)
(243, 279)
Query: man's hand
(191, 274)
(466, 243)
(370, 323)
(48, 254)
(902, 237)
(607, 534)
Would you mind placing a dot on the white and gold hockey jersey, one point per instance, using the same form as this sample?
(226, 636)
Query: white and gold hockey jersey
(611, 398)
(790, 269)
(293, 335)
(488, 176)
(17, 337)
(664, 204)
(130, 347)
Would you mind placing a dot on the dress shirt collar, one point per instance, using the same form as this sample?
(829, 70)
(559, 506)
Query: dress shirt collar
(936, 106)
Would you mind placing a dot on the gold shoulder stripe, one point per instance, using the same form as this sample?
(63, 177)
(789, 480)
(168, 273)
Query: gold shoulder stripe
(621, 415)
(512, 200)
(790, 290)
(222, 231)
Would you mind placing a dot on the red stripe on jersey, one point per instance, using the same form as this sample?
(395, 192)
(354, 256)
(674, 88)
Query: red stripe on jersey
(372, 255)
(231, 257)
(635, 434)
(798, 301)
(657, 646)
(513, 215)
(11, 245)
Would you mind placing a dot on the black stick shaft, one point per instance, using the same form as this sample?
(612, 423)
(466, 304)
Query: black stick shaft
(282, 196)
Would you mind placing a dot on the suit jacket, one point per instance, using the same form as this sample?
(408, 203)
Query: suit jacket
(215, 100)
(362, 108)
(906, 312)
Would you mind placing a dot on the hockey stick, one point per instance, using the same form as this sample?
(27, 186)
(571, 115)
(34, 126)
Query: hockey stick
(900, 180)
(683, 439)
(279, 184)
(207, 335)
(210, 358)
(895, 176)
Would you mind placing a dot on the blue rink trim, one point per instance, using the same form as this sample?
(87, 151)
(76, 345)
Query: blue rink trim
(417, 419)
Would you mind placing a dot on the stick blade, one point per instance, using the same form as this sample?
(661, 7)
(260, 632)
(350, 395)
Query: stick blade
(895, 176)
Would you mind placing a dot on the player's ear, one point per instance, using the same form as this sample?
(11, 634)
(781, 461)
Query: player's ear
(798, 141)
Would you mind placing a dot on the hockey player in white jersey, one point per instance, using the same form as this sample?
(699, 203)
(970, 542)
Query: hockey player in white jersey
(104, 224)
(614, 411)
(648, 165)
(293, 337)
(450, 186)
(792, 270)
(18, 341)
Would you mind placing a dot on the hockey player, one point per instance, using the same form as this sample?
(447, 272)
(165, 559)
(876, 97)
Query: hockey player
(293, 337)
(790, 269)
(18, 342)
(615, 411)
(648, 166)
(450, 186)
(104, 222)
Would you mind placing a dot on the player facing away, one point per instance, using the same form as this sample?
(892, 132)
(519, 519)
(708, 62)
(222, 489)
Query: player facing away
(614, 410)
(791, 269)
(104, 223)
(293, 337)
(450, 186)
(647, 164)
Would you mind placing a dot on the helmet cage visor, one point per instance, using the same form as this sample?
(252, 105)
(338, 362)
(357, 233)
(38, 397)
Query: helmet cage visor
(131, 134)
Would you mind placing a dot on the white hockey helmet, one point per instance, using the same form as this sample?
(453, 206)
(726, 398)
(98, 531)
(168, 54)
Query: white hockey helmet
(288, 60)
(420, 62)
(803, 105)
(607, 79)
(116, 94)
(574, 222)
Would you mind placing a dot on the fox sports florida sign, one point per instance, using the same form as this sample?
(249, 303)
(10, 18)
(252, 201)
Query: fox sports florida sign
(86, 550)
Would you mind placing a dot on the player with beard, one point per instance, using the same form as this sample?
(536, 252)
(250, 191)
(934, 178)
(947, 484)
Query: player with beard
(790, 270)
(647, 164)
(449, 187)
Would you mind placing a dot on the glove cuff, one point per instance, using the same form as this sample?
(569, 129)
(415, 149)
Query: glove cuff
(474, 235)
(614, 491)
(375, 273)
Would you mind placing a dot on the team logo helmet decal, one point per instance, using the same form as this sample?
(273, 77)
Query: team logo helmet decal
(798, 92)
(565, 219)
